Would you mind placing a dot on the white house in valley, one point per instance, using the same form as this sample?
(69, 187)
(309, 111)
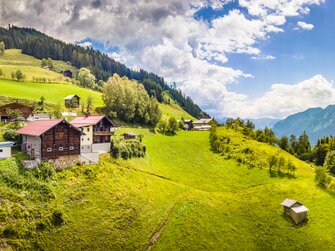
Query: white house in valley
(97, 130)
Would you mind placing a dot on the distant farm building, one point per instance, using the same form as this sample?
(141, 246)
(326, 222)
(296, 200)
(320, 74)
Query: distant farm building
(97, 130)
(39, 116)
(72, 101)
(188, 124)
(50, 139)
(129, 135)
(5, 111)
(67, 73)
(201, 125)
(296, 210)
(6, 149)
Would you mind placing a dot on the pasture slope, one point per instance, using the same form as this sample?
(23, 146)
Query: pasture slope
(59, 87)
(181, 196)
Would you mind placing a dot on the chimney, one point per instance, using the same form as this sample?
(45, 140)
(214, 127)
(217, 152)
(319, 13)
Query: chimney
(87, 114)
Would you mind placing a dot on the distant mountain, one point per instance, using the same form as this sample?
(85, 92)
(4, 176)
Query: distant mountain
(264, 122)
(317, 122)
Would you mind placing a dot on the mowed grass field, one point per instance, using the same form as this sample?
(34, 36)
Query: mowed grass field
(14, 60)
(182, 196)
(53, 93)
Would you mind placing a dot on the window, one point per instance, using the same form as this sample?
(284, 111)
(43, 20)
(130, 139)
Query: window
(49, 149)
(1, 150)
(81, 129)
(71, 148)
(88, 139)
(82, 139)
(61, 149)
(88, 129)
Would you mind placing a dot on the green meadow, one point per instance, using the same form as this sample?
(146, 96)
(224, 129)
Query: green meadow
(14, 60)
(53, 93)
(181, 196)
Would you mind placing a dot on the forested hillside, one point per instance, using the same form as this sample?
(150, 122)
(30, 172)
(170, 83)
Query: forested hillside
(102, 66)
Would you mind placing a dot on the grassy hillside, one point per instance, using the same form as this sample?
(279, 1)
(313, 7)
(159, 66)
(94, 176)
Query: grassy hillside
(181, 196)
(14, 60)
(53, 93)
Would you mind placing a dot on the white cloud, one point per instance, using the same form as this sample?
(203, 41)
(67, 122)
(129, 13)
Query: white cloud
(85, 44)
(305, 26)
(285, 99)
(164, 37)
(263, 57)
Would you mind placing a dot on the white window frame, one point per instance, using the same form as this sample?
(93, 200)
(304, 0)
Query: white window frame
(61, 149)
(71, 148)
(49, 150)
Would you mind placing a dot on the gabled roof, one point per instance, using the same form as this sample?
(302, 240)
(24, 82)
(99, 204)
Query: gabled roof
(202, 121)
(130, 134)
(82, 121)
(299, 209)
(71, 96)
(290, 203)
(38, 127)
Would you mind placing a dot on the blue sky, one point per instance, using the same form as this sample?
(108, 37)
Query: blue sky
(246, 58)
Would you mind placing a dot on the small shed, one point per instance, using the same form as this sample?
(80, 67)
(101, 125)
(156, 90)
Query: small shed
(72, 101)
(67, 73)
(295, 209)
(129, 135)
(6, 149)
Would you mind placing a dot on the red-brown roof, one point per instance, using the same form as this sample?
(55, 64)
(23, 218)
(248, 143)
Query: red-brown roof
(81, 121)
(38, 127)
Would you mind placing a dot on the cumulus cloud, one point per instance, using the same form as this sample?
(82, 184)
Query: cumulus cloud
(285, 99)
(305, 26)
(164, 37)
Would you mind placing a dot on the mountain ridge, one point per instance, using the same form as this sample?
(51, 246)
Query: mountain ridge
(317, 122)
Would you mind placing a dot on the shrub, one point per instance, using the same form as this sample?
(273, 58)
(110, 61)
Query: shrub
(57, 218)
(127, 149)
(11, 135)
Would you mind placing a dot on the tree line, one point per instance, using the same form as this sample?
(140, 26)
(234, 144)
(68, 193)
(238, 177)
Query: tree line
(299, 146)
(41, 46)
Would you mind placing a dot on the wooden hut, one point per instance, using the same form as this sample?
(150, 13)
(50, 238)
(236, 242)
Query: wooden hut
(295, 209)
(50, 139)
(67, 73)
(129, 135)
(72, 101)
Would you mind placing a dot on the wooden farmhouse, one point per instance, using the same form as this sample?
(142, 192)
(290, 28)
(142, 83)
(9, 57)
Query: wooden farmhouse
(6, 149)
(129, 135)
(50, 139)
(25, 111)
(201, 125)
(72, 101)
(97, 130)
(296, 210)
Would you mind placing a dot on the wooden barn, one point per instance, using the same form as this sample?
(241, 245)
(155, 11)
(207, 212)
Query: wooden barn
(72, 101)
(295, 209)
(67, 73)
(129, 135)
(25, 111)
(50, 139)
(98, 130)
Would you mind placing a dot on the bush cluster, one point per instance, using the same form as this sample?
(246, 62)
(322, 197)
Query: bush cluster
(127, 149)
